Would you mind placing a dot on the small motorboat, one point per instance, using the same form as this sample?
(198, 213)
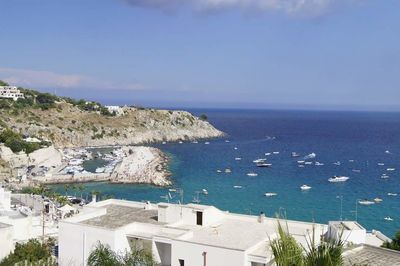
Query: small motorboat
(172, 190)
(337, 163)
(271, 194)
(228, 171)
(300, 161)
(381, 164)
(310, 156)
(385, 176)
(391, 169)
(366, 202)
(275, 152)
(195, 142)
(261, 160)
(388, 218)
(267, 154)
(204, 191)
(237, 187)
(263, 164)
(387, 152)
(100, 170)
(356, 171)
(235, 148)
(295, 154)
(252, 174)
(351, 161)
(227, 141)
(219, 171)
(238, 159)
(180, 142)
(301, 165)
(378, 200)
(308, 163)
(337, 179)
(318, 164)
(164, 143)
(392, 194)
(207, 143)
(305, 187)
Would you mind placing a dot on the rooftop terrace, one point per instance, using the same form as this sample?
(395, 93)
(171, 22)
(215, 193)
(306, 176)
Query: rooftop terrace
(119, 215)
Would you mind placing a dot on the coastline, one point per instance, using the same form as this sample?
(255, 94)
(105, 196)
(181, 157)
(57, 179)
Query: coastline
(139, 165)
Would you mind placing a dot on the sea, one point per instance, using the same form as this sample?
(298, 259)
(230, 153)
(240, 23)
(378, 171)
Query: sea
(365, 143)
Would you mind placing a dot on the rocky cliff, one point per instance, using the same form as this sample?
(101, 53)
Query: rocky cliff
(67, 125)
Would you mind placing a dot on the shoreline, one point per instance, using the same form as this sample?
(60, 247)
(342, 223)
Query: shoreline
(139, 165)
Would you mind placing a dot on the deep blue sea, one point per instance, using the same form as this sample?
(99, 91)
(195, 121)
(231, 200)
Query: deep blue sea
(333, 136)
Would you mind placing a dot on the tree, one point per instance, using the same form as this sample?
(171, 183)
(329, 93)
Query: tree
(203, 117)
(3, 83)
(33, 251)
(103, 255)
(394, 244)
(288, 252)
(81, 189)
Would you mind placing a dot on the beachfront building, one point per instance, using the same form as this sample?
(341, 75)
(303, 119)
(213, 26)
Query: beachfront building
(10, 92)
(177, 235)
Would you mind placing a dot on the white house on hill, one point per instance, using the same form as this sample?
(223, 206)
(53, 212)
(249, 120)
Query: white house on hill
(10, 92)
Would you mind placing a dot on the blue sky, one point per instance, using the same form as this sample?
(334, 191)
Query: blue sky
(312, 54)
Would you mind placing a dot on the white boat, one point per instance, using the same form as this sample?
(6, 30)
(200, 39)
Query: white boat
(204, 191)
(228, 171)
(252, 174)
(356, 170)
(227, 141)
(263, 164)
(207, 143)
(295, 154)
(270, 194)
(381, 164)
(310, 156)
(219, 171)
(305, 187)
(300, 161)
(366, 202)
(196, 198)
(337, 163)
(164, 143)
(388, 218)
(385, 176)
(75, 162)
(391, 169)
(308, 163)
(172, 190)
(99, 170)
(392, 194)
(267, 154)
(301, 165)
(235, 148)
(387, 152)
(180, 142)
(275, 152)
(351, 161)
(237, 187)
(261, 160)
(25, 211)
(378, 200)
(337, 179)
(195, 142)
(318, 164)
(238, 159)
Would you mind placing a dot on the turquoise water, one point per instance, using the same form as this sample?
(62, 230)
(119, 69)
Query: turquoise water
(333, 136)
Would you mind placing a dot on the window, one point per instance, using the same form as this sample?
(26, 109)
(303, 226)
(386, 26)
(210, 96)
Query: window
(181, 262)
(199, 218)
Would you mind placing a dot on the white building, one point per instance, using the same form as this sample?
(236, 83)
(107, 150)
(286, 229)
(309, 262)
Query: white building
(5, 200)
(10, 92)
(118, 110)
(6, 240)
(194, 235)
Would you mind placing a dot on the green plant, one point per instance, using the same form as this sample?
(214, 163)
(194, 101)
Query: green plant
(33, 251)
(394, 244)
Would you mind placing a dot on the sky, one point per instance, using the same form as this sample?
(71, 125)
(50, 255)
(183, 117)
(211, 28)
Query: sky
(285, 54)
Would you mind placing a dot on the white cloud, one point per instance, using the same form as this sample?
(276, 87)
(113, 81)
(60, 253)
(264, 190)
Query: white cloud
(48, 79)
(288, 7)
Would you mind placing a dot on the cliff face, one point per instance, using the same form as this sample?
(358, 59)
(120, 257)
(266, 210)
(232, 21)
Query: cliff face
(69, 126)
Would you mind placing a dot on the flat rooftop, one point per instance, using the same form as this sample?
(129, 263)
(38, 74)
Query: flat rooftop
(119, 215)
(370, 255)
(348, 225)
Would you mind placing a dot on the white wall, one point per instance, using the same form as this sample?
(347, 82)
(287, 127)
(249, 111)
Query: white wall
(192, 254)
(75, 247)
(6, 241)
(22, 227)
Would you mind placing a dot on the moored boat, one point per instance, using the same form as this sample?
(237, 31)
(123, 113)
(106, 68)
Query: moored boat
(366, 202)
(305, 187)
(270, 194)
(337, 179)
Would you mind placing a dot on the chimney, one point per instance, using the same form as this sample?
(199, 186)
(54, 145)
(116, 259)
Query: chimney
(261, 218)
(93, 198)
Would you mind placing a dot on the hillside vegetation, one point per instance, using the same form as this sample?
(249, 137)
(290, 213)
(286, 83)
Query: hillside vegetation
(68, 123)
